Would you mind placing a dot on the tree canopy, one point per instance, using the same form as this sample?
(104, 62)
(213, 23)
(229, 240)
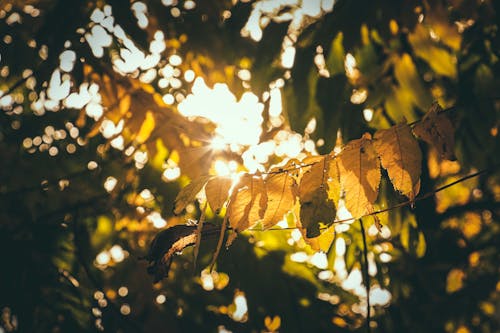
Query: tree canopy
(249, 166)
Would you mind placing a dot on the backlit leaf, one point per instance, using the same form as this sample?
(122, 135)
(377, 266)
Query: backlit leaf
(436, 129)
(359, 168)
(400, 155)
(333, 180)
(323, 242)
(217, 192)
(281, 192)
(188, 193)
(248, 203)
(315, 206)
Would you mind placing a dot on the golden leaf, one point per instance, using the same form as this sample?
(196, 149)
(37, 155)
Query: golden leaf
(401, 157)
(188, 193)
(359, 169)
(217, 192)
(147, 127)
(436, 129)
(281, 192)
(323, 242)
(333, 180)
(248, 203)
(315, 206)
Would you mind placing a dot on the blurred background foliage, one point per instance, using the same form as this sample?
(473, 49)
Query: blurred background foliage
(109, 107)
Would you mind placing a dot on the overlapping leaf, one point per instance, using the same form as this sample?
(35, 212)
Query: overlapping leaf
(359, 168)
(401, 157)
(248, 202)
(315, 205)
(189, 192)
(437, 130)
(217, 192)
(281, 193)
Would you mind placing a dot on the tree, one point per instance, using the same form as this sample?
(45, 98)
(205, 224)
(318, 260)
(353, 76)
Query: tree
(337, 149)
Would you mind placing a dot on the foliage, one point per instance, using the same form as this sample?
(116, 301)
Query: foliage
(146, 129)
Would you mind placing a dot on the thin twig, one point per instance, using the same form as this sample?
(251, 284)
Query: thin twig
(219, 243)
(198, 234)
(367, 276)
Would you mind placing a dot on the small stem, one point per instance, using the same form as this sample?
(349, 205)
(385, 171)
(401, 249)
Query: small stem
(366, 276)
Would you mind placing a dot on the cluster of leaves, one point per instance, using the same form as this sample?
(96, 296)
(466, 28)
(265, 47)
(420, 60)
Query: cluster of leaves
(317, 184)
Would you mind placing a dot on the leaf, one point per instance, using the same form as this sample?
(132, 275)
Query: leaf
(248, 202)
(188, 193)
(421, 245)
(281, 192)
(436, 129)
(400, 155)
(315, 206)
(170, 241)
(333, 180)
(323, 242)
(442, 61)
(217, 192)
(147, 127)
(359, 168)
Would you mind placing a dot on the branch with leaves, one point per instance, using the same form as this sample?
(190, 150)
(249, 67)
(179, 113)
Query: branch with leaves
(313, 189)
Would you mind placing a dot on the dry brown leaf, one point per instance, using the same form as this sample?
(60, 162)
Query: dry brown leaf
(359, 169)
(281, 193)
(217, 192)
(248, 202)
(436, 129)
(188, 193)
(400, 155)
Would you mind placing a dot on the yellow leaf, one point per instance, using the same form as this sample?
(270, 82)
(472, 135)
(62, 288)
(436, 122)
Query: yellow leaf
(421, 245)
(401, 157)
(321, 243)
(188, 193)
(333, 180)
(124, 104)
(147, 127)
(411, 82)
(281, 193)
(436, 129)
(248, 203)
(439, 58)
(315, 206)
(272, 324)
(217, 192)
(359, 169)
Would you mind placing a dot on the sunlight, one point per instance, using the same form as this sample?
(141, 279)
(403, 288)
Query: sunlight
(241, 122)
